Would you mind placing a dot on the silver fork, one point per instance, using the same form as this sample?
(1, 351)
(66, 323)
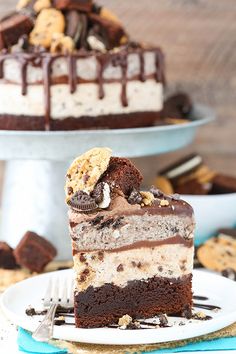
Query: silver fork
(59, 292)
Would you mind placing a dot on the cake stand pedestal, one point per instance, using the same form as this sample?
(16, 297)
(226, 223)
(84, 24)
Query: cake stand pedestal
(33, 190)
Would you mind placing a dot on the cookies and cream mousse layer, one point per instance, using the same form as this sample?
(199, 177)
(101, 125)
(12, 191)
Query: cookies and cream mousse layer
(124, 238)
(74, 68)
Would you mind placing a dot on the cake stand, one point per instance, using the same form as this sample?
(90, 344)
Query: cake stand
(33, 190)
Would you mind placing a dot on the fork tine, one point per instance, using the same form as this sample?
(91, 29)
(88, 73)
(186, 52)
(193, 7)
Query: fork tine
(47, 296)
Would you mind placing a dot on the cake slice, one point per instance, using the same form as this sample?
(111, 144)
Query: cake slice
(133, 250)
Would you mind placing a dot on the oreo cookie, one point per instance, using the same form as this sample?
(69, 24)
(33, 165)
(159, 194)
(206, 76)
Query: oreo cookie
(82, 202)
(77, 28)
(177, 106)
(135, 197)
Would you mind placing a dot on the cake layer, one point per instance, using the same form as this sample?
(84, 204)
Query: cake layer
(102, 306)
(122, 225)
(86, 68)
(83, 102)
(111, 121)
(169, 259)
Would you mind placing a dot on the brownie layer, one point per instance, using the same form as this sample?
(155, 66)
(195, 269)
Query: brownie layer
(169, 259)
(102, 306)
(112, 121)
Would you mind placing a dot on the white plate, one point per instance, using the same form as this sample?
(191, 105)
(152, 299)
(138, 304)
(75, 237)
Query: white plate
(219, 290)
(135, 142)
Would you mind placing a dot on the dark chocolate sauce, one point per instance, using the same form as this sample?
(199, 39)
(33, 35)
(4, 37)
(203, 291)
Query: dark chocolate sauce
(198, 297)
(206, 307)
(45, 61)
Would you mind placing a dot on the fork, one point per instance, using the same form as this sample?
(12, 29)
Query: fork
(59, 292)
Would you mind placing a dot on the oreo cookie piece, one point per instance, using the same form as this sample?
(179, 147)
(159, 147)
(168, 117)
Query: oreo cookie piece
(177, 106)
(82, 202)
(122, 174)
(77, 28)
(13, 27)
(80, 5)
(182, 166)
(135, 197)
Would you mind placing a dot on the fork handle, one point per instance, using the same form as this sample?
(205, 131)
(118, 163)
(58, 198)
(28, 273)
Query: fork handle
(44, 331)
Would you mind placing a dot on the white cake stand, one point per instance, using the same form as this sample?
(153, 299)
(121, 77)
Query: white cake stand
(33, 192)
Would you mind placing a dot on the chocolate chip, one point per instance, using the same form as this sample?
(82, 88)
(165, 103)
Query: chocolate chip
(82, 258)
(100, 256)
(69, 190)
(229, 273)
(135, 197)
(160, 269)
(83, 202)
(106, 223)
(86, 271)
(96, 220)
(117, 223)
(120, 268)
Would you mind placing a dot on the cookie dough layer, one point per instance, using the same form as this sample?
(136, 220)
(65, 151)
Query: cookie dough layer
(139, 299)
(98, 268)
(141, 96)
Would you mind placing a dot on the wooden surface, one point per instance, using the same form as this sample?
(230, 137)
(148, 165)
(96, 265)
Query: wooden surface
(199, 40)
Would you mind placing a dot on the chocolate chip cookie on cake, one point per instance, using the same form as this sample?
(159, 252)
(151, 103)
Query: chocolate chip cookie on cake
(132, 250)
(69, 64)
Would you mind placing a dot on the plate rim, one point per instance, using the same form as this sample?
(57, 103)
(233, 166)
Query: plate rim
(150, 333)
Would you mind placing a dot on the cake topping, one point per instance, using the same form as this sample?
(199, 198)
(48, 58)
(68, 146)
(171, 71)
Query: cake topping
(81, 201)
(89, 26)
(48, 23)
(86, 170)
(147, 198)
(122, 173)
(135, 197)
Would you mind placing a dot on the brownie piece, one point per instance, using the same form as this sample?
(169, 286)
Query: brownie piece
(7, 259)
(12, 28)
(223, 184)
(81, 5)
(123, 174)
(34, 252)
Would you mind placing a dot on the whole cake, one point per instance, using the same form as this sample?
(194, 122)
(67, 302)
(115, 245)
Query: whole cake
(133, 250)
(69, 64)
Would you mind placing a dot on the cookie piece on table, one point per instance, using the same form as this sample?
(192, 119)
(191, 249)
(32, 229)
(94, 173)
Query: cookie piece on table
(34, 252)
(7, 259)
(218, 253)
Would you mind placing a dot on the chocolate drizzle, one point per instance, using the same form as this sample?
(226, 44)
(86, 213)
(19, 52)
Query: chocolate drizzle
(117, 59)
